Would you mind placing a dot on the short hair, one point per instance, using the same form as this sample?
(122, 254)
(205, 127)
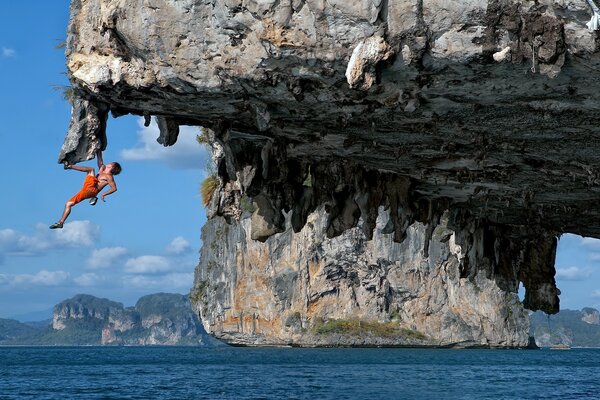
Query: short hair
(116, 169)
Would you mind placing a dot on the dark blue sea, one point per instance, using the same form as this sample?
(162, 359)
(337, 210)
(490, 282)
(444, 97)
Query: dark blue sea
(292, 373)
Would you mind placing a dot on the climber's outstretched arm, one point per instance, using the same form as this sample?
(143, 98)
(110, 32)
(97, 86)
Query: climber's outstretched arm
(88, 170)
(100, 160)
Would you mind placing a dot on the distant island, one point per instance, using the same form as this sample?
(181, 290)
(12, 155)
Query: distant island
(156, 319)
(168, 319)
(569, 327)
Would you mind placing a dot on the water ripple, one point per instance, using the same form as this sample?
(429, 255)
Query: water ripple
(248, 373)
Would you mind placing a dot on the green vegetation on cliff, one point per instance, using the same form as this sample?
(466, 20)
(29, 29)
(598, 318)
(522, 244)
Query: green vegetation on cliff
(207, 188)
(360, 327)
(162, 318)
(10, 329)
(78, 333)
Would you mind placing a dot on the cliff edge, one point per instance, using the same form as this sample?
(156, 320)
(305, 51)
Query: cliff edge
(485, 112)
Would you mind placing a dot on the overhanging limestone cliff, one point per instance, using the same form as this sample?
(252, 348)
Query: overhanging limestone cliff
(486, 108)
(308, 290)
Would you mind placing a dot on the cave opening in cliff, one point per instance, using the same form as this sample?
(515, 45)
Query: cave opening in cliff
(577, 272)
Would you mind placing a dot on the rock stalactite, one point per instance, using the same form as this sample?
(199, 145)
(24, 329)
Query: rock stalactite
(87, 131)
(349, 195)
(485, 111)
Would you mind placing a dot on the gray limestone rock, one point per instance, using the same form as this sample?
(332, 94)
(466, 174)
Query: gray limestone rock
(485, 109)
(481, 102)
(305, 289)
(157, 319)
(87, 131)
(590, 316)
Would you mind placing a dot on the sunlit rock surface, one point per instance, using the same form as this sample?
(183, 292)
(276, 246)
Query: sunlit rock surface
(157, 319)
(576, 328)
(485, 109)
(281, 291)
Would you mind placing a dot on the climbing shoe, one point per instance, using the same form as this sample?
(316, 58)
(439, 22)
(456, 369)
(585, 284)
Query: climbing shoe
(66, 165)
(93, 201)
(57, 225)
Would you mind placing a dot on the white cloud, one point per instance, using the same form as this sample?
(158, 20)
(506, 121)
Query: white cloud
(178, 246)
(42, 278)
(147, 265)
(573, 273)
(166, 282)
(185, 153)
(88, 279)
(105, 257)
(74, 234)
(596, 294)
(591, 243)
(7, 235)
(10, 242)
(8, 52)
(78, 233)
(15, 243)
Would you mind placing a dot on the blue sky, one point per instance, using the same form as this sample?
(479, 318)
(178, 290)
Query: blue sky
(146, 237)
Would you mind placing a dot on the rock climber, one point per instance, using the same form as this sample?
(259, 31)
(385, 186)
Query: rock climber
(92, 185)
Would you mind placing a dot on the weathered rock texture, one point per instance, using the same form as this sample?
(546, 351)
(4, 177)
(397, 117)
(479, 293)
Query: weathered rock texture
(281, 291)
(163, 319)
(568, 327)
(486, 108)
(590, 316)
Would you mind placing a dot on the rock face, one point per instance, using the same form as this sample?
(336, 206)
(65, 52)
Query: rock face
(162, 318)
(590, 316)
(570, 327)
(305, 289)
(482, 110)
(85, 307)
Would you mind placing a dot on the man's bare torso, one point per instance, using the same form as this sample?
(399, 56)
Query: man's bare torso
(103, 178)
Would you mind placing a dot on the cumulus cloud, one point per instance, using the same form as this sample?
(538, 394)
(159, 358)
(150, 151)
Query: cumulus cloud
(177, 280)
(105, 257)
(78, 233)
(591, 243)
(186, 153)
(88, 279)
(179, 246)
(147, 265)
(15, 243)
(74, 234)
(573, 273)
(8, 52)
(10, 242)
(42, 278)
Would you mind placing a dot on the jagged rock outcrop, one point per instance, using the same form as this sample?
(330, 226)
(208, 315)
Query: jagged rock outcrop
(86, 308)
(590, 316)
(305, 289)
(487, 109)
(162, 318)
(568, 327)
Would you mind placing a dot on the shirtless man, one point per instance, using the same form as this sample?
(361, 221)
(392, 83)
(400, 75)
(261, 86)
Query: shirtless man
(92, 185)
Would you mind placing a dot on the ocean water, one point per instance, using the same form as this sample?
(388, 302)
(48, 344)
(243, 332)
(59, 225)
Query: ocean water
(293, 373)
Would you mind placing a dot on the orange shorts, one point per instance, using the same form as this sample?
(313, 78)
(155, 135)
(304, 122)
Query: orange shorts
(89, 190)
